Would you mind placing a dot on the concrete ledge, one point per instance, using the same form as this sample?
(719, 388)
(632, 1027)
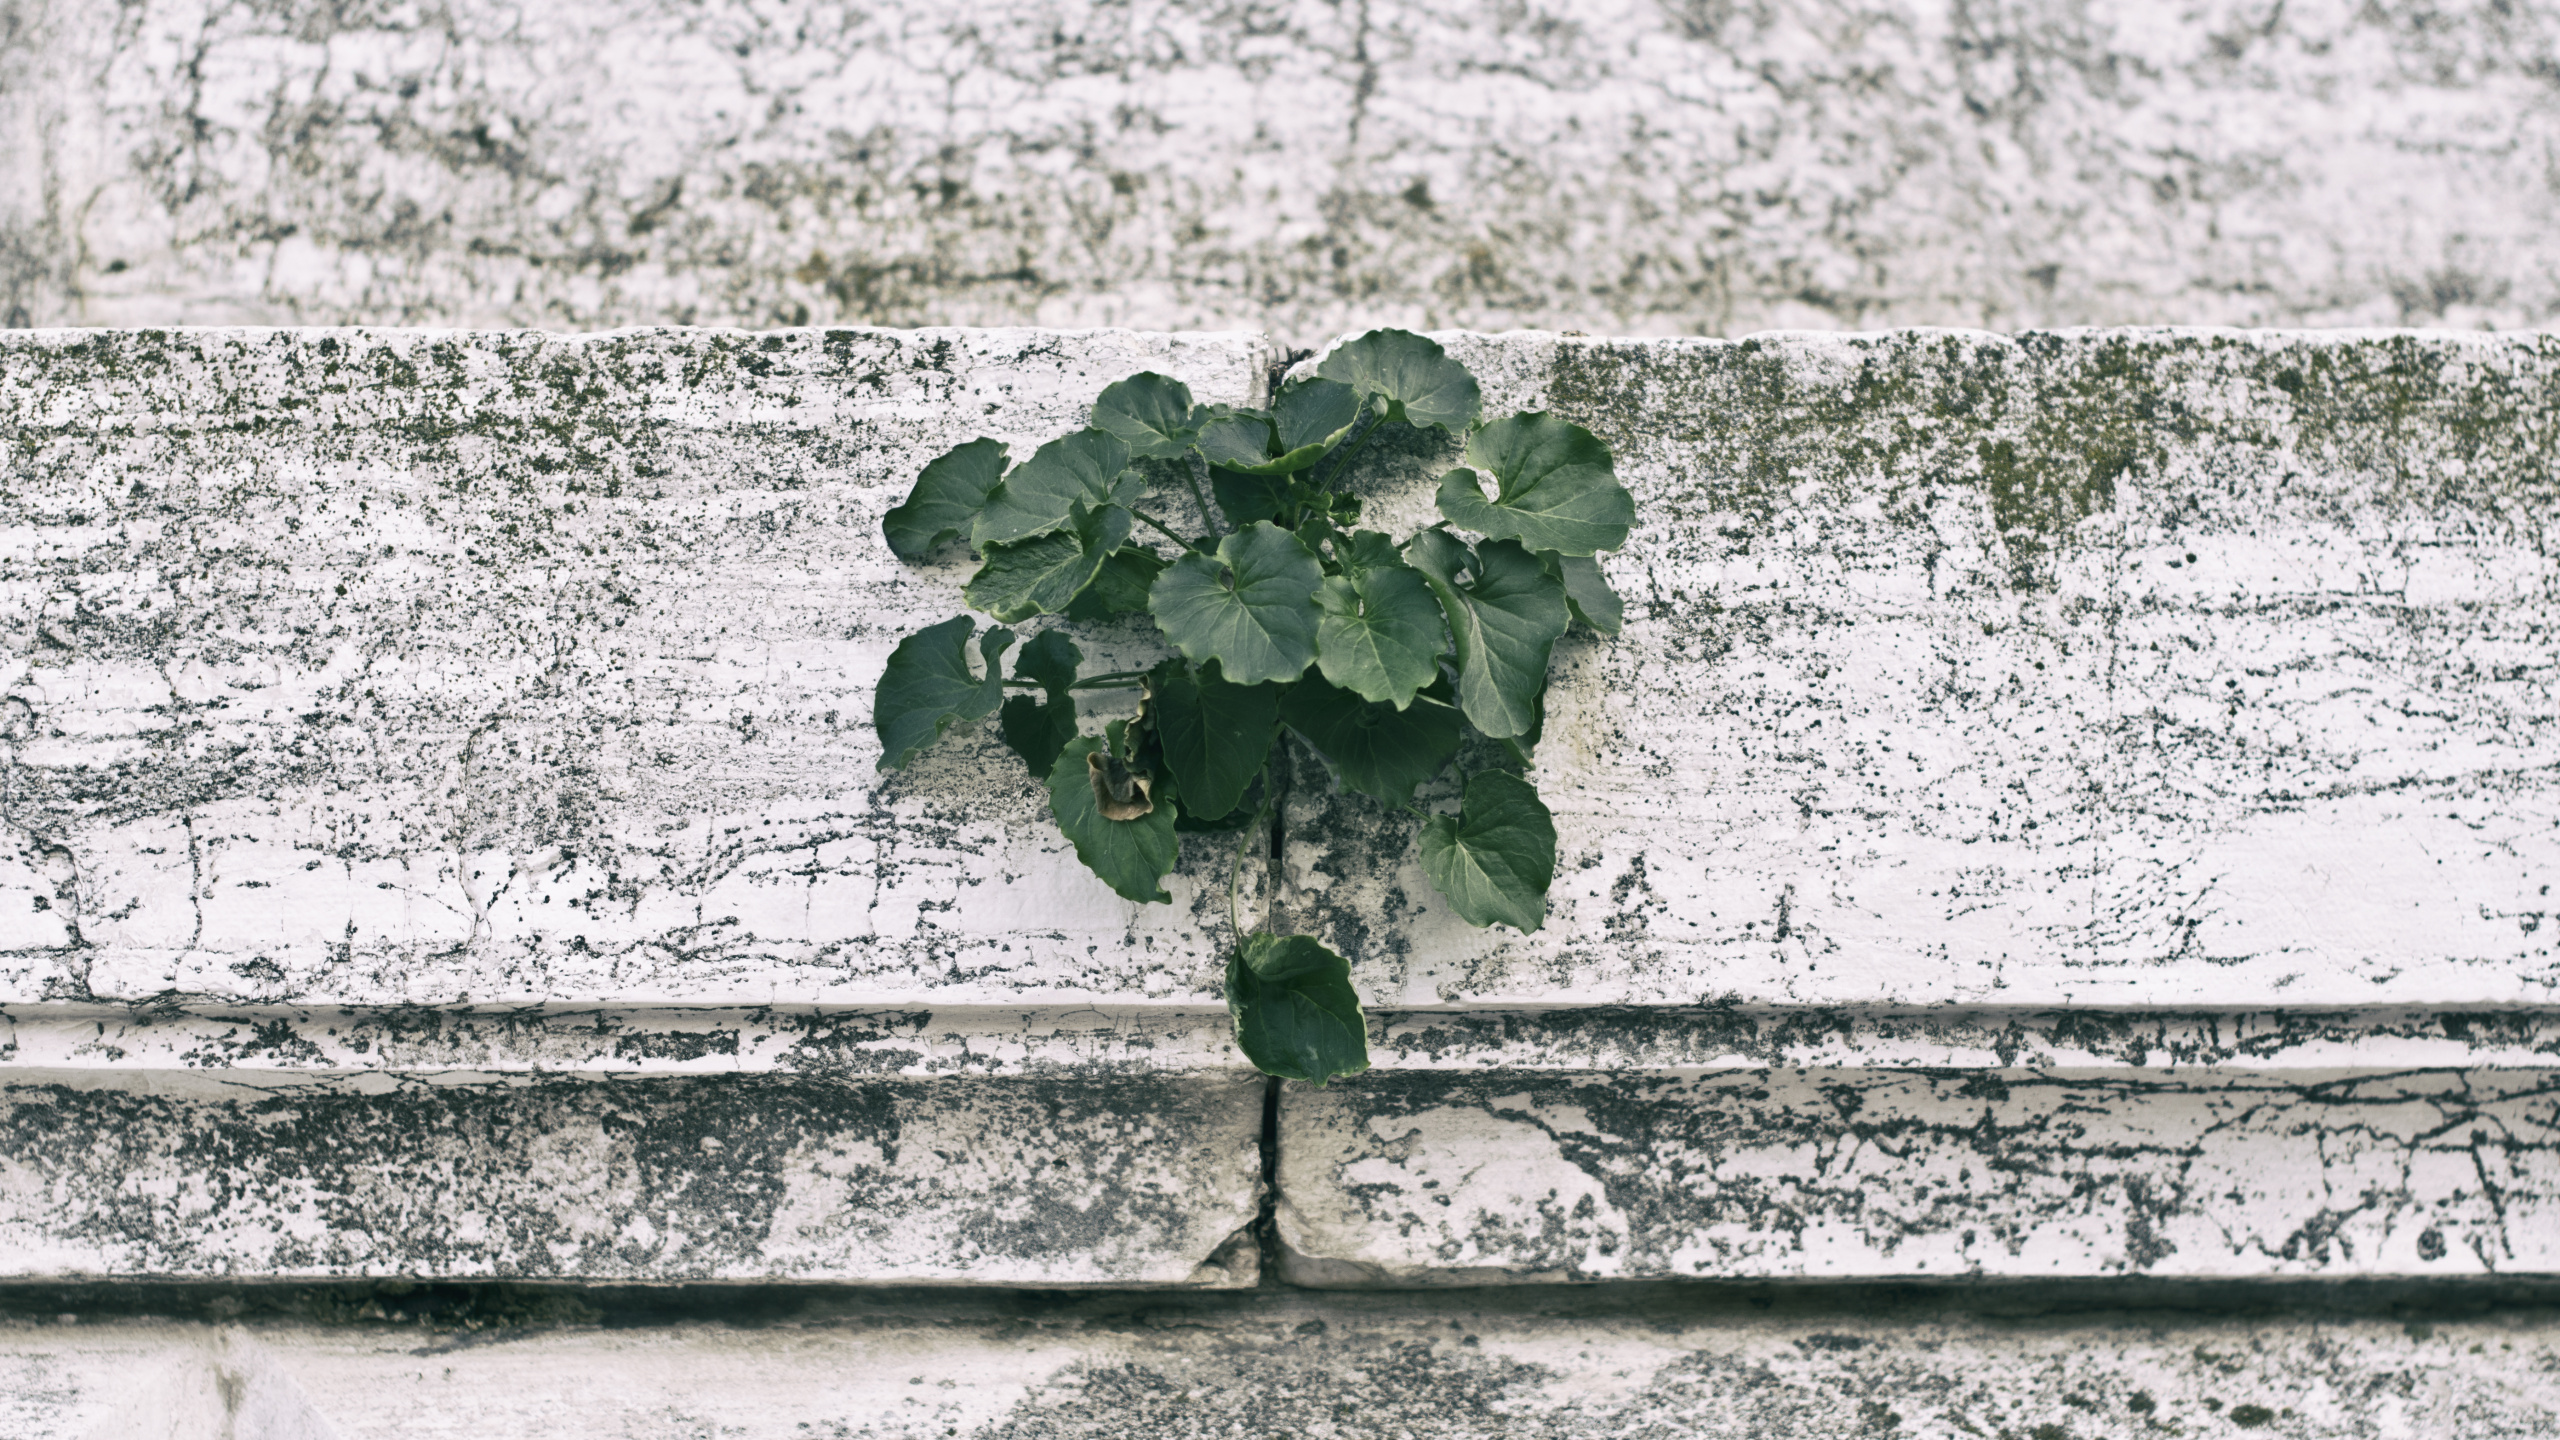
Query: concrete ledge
(1480, 1179)
(1583, 1365)
(2099, 669)
(1032, 1181)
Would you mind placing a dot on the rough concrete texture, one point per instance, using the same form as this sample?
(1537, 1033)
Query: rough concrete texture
(1048, 1181)
(1640, 166)
(2096, 669)
(1476, 1367)
(400, 668)
(1405, 1179)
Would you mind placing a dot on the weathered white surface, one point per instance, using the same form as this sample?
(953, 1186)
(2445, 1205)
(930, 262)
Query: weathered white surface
(1330, 1368)
(251, 1042)
(399, 667)
(1637, 166)
(1404, 1179)
(1058, 1180)
(2099, 669)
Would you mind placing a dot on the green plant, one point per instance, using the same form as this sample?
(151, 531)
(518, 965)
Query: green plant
(1286, 620)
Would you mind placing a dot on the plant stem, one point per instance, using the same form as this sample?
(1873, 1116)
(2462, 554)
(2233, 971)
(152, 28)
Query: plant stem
(1343, 466)
(1168, 532)
(1116, 680)
(1215, 520)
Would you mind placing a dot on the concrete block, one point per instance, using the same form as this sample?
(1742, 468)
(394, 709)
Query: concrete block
(1657, 1361)
(399, 668)
(2099, 670)
(1420, 1178)
(1060, 1180)
(1682, 167)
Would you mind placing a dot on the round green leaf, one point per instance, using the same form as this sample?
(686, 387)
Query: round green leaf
(1119, 587)
(1314, 413)
(1295, 1012)
(927, 687)
(1250, 608)
(1503, 623)
(1215, 734)
(1246, 496)
(1037, 728)
(1410, 378)
(1379, 633)
(1559, 489)
(1151, 413)
(1496, 857)
(1586, 591)
(1377, 750)
(1042, 575)
(946, 499)
(1090, 467)
(1131, 856)
(1237, 439)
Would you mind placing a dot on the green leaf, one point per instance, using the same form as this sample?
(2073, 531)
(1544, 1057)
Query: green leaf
(1036, 730)
(1150, 413)
(1236, 438)
(1368, 550)
(1250, 608)
(1410, 378)
(1049, 660)
(1295, 1011)
(1245, 441)
(1215, 734)
(1377, 750)
(1041, 575)
(1503, 624)
(946, 499)
(1131, 856)
(1559, 489)
(927, 687)
(1119, 587)
(1035, 727)
(1496, 857)
(1246, 498)
(1379, 633)
(1315, 413)
(1090, 466)
(1586, 591)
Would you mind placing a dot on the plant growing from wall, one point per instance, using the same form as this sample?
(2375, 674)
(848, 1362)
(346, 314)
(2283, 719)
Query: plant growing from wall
(1285, 620)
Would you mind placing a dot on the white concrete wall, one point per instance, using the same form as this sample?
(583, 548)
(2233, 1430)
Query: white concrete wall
(1631, 167)
(2077, 807)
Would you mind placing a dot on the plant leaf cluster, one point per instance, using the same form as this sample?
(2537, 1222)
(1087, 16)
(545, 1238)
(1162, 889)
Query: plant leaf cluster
(1286, 624)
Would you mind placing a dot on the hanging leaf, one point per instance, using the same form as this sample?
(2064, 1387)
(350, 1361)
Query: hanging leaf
(1559, 489)
(1496, 857)
(1215, 735)
(946, 499)
(927, 687)
(1131, 856)
(1248, 608)
(1151, 413)
(1377, 750)
(1246, 498)
(1314, 414)
(1119, 587)
(1503, 623)
(1407, 377)
(1041, 575)
(1586, 591)
(1295, 1012)
(1037, 728)
(1380, 634)
(1247, 442)
(1090, 467)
